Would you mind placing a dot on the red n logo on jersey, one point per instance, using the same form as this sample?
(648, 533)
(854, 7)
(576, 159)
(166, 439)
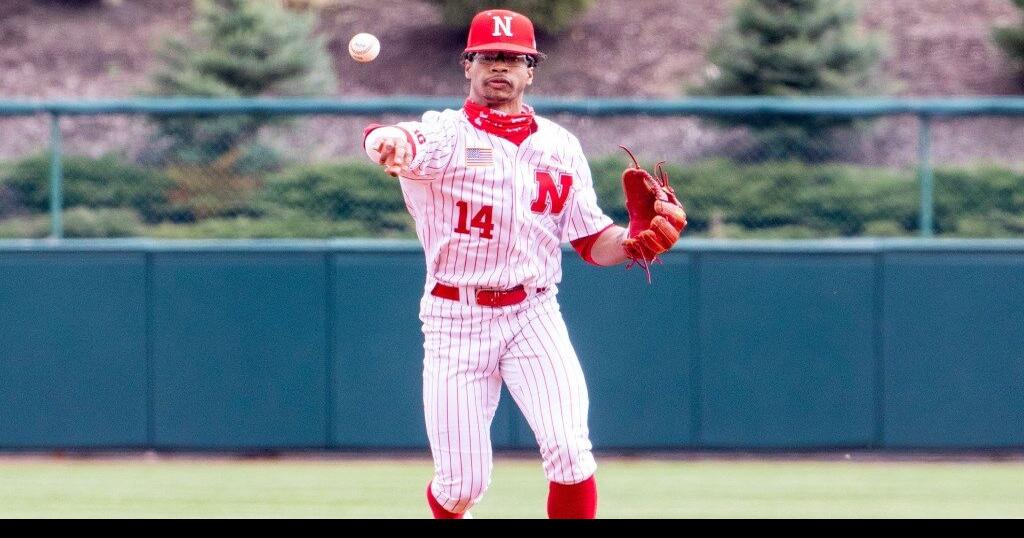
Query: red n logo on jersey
(548, 195)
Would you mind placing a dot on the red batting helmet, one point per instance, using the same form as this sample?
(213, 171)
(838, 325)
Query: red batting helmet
(501, 30)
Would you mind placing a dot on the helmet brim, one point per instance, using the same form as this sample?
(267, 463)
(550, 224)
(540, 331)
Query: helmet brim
(502, 47)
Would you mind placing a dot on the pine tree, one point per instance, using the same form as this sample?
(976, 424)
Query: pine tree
(1011, 38)
(238, 48)
(790, 48)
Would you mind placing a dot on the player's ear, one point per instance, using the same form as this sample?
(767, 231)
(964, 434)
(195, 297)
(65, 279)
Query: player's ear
(529, 76)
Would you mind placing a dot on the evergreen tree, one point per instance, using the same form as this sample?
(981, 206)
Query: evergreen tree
(789, 48)
(238, 48)
(1011, 38)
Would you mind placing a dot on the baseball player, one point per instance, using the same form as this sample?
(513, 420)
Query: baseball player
(495, 190)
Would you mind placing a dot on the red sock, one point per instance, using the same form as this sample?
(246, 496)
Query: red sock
(578, 501)
(437, 509)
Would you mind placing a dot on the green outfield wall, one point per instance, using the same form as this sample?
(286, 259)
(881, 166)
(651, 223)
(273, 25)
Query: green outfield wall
(251, 346)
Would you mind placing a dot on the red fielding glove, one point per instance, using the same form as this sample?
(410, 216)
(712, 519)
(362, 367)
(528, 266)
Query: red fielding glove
(656, 216)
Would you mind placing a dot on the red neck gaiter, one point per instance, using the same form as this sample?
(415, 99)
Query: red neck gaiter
(513, 127)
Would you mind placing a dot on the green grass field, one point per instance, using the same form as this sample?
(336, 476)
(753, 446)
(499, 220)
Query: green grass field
(138, 488)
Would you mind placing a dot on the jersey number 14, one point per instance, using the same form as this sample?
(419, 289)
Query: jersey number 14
(482, 220)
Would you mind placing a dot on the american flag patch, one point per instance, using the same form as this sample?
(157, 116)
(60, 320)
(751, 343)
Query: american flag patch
(479, 157)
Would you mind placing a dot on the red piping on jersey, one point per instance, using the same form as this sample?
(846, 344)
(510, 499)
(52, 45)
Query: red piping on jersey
(585, 245)
(511, 127)
(371, 127)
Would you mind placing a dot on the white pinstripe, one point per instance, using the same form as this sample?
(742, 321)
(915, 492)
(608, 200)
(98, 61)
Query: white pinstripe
(470, 349)
(525, 247)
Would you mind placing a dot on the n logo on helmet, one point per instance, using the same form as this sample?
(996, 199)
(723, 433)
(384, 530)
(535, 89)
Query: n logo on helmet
(502, 27)
(548, 195)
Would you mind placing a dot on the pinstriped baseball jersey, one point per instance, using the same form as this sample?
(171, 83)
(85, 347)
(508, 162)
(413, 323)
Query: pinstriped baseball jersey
(493, 214)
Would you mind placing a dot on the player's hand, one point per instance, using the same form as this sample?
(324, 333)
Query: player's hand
(663, 232)
(395, 155)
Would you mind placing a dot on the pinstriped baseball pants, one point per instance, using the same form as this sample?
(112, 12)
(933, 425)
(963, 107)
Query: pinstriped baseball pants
(468, 351)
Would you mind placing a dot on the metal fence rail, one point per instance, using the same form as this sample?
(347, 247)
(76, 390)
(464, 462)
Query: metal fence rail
(719, 106)
(925, 110)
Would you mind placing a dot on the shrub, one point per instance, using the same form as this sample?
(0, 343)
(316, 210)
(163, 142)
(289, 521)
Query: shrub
(84, 222)
(212, 190)
(89, 182)
(607, 174)
(9, 204)
(79, 222)
(792, 199)
(356, 199)
(27, 227)
(964, 198)
(355, 191)
(884, 228)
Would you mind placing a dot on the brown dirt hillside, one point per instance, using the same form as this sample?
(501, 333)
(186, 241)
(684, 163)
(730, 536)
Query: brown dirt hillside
(644, 48)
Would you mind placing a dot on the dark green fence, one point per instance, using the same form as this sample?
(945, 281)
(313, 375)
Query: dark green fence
(892, 344)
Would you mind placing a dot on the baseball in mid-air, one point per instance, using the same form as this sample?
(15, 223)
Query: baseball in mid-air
(364, 47)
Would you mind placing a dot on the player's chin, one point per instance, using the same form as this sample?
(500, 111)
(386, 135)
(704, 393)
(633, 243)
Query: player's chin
(499, 94)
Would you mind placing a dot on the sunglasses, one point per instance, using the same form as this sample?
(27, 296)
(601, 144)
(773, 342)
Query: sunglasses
(490, 58)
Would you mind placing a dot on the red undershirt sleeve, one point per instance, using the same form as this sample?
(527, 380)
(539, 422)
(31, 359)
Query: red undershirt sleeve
(585, 245)
(369, 129)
